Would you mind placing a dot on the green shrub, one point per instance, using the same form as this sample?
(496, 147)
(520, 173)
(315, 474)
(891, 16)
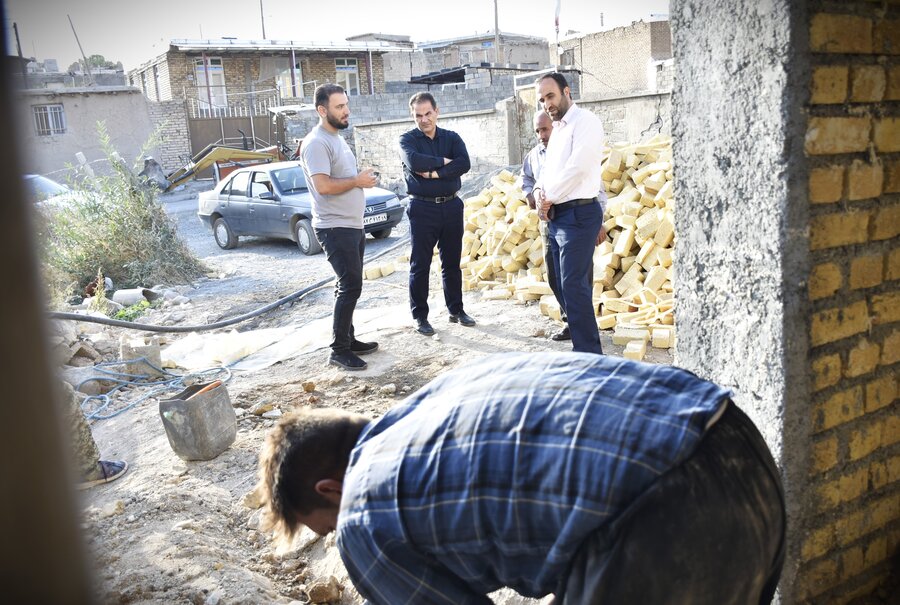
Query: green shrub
(133, 312)
(115, 226)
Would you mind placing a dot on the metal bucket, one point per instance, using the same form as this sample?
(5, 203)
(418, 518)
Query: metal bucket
(200, 426)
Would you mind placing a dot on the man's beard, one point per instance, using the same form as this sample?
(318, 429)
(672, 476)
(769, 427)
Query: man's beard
(335, 123)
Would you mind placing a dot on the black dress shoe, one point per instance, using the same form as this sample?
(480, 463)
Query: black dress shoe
(359, 347)
(563, 334)
(347, 360)
(423, 327)
(462, 319)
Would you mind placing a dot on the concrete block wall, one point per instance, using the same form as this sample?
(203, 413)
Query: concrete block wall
(615, 61)
(169, 119)
(628, 119)
(487, 135)
(853, 149)
(634, 118)
(395, 106)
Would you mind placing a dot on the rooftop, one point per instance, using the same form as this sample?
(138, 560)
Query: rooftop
(235, 45)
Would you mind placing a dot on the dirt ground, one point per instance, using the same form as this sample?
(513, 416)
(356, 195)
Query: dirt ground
(172, 531)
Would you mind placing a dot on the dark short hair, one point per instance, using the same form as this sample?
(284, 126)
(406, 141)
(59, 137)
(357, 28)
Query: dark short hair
(324, 92)
(306, 446)
(556, 77)
(421, 97)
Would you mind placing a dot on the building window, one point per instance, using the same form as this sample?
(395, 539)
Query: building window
(156, 82)
(49, 119)
(285, 84)
(347, 75)
(214, 93)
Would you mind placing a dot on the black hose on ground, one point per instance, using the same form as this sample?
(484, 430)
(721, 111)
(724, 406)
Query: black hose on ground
(219, 324)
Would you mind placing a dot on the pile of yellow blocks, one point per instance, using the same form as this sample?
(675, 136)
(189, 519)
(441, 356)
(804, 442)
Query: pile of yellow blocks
(503, 252)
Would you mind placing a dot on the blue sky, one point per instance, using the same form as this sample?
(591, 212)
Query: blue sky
(133, 31)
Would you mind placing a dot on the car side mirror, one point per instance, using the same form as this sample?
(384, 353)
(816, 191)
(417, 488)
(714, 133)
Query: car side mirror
(266, 195)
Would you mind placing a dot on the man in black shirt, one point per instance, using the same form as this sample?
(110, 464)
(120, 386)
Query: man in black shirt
(433, 160)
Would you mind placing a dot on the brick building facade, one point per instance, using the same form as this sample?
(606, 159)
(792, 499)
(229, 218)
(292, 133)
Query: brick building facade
(786, 127)
(198, 80)
(436, 55)
(235, 67)
(853, 148)
(617, 61)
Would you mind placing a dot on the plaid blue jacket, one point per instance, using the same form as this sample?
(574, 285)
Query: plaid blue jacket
(493, 474)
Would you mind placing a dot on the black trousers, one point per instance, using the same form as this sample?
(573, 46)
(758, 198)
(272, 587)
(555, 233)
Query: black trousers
(708, 532)
(429, 224)
(344, 250)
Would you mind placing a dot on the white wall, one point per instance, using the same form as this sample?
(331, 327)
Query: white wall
(124, 111)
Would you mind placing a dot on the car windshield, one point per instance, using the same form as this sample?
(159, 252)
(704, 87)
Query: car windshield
(290, 179)
(39, 188)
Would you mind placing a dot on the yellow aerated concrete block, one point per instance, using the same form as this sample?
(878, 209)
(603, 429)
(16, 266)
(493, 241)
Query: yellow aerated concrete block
(635, 349)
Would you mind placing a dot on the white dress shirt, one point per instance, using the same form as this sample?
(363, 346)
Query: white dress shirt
(572, 169)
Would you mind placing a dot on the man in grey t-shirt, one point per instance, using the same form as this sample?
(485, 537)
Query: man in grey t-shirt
(338, 206)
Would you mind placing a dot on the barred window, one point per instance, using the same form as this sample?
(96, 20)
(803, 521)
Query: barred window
(49, 119)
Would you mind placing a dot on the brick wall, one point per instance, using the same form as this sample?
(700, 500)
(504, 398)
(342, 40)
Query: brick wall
(853, 149)
(169, 119)
(165, 82)
(242, 72)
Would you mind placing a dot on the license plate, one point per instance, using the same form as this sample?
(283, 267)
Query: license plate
(375, 218)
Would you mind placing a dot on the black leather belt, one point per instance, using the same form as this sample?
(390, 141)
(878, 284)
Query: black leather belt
(573, 203)
(557, 208)
(436, 200)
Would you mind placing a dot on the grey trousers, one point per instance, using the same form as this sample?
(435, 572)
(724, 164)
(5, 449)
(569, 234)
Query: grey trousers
(708, 532)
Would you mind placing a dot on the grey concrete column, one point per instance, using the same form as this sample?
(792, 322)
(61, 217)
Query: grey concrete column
(741, 252)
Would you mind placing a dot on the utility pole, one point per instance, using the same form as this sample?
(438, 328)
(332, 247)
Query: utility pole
(262, 18)
(558, 2)
(499, 53)
(21, 58)
(87, 65)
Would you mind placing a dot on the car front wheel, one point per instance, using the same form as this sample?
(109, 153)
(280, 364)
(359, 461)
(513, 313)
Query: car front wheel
(306, 238)
(382, 233)
(225, 237)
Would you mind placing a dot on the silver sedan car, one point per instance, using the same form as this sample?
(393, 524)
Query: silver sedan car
(274, 200)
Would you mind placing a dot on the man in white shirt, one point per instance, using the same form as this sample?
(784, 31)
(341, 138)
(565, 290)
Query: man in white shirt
(569, 194)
